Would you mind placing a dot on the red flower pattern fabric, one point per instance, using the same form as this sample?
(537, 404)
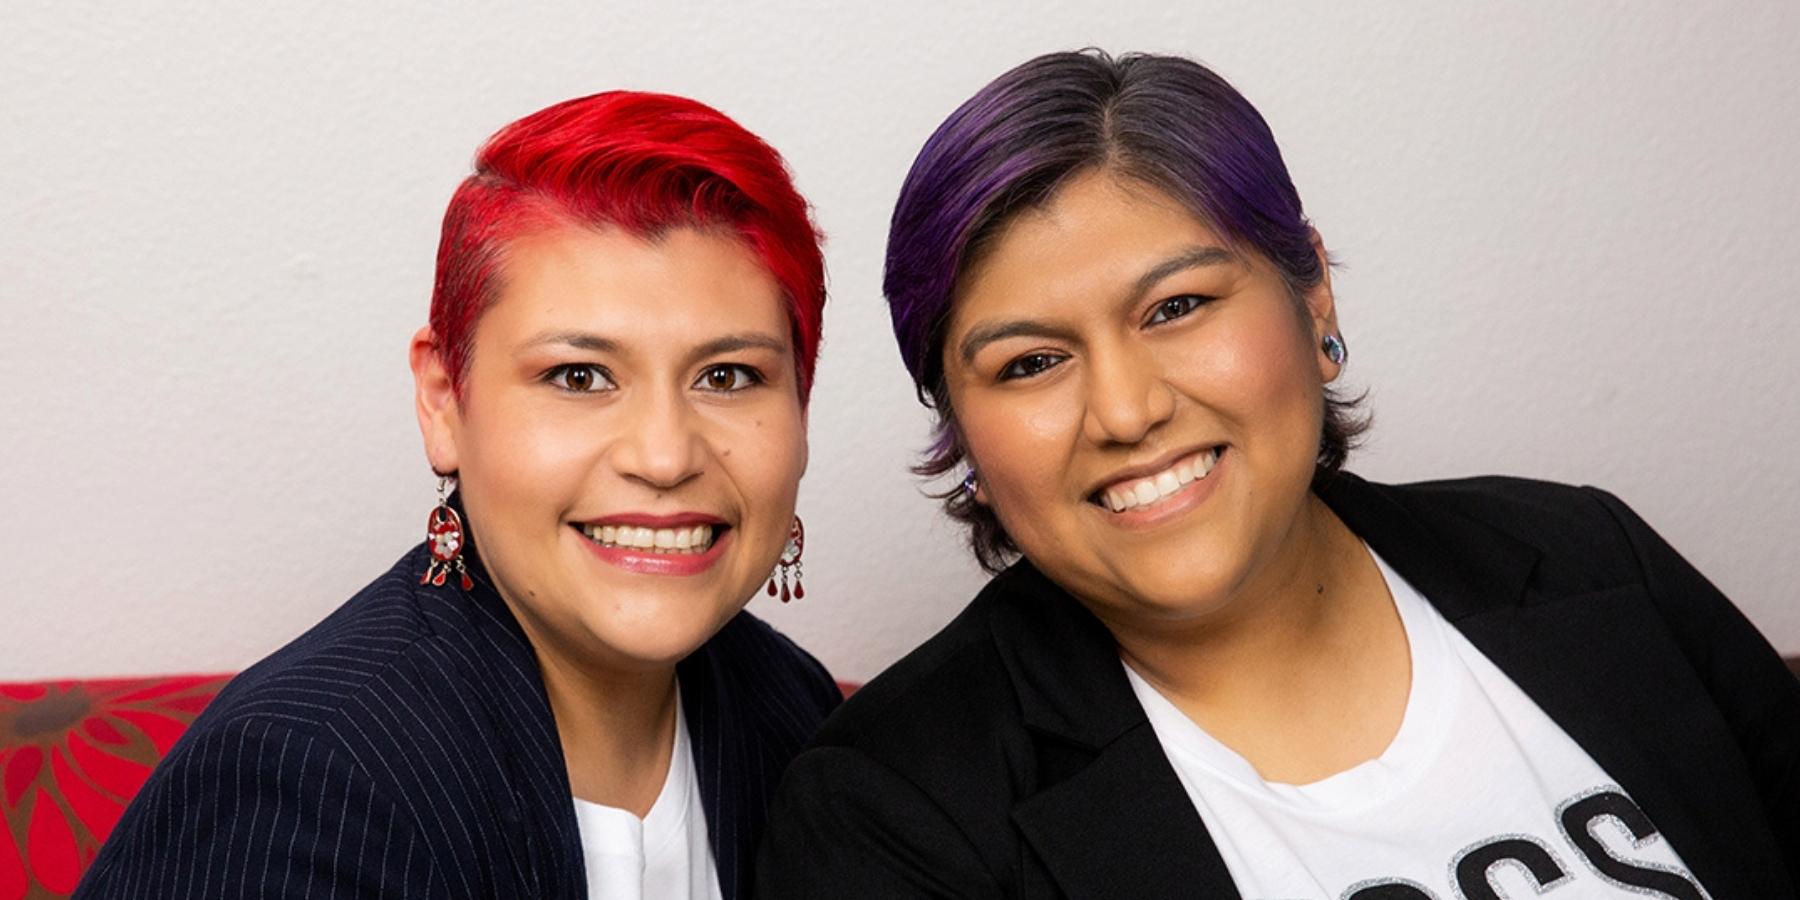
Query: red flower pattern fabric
(72, 754)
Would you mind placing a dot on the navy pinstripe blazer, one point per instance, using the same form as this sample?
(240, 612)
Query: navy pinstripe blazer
(404, 747)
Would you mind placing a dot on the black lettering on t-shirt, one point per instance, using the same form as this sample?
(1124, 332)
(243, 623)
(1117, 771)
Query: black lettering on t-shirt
(1578, 820)
(1474, 866)
(1391, 890)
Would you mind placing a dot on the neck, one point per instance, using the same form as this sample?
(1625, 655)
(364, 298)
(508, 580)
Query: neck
(617, 730)
(616, 724)
(1304, 672)
(1296, 611)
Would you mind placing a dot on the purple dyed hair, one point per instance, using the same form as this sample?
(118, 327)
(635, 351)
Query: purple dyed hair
(1165, 121)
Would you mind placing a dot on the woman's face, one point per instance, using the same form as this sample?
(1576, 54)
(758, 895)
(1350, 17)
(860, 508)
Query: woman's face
(1141, 402)
(628, 441)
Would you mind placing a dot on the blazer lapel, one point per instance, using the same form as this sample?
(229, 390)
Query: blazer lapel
(531, 794)
(1614, 683)
(722, 754)
(1112, 818)
(1599, 663)
(1123, 826)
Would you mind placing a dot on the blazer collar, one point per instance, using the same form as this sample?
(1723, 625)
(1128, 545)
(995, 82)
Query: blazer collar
(1111, 812)
(1062, 661)
(1463, 566)
(730, 758)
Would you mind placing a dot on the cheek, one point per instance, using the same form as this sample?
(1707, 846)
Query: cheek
(1020, 447)
(1256, 370)
(763, 453)
(530, 450)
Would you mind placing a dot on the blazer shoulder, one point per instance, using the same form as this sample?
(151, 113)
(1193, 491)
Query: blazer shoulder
(1575, 529)
(353, 711)
(1504, 499)
(326, 671)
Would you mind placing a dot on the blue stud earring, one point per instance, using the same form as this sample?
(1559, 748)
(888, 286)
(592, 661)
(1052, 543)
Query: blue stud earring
(969, 484)
(1334, 349)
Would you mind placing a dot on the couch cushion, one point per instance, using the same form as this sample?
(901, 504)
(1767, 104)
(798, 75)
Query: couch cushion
(72, 754)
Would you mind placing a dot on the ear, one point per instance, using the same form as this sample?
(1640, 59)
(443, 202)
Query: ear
(434, 396)
(981, 495)
(1321, 312)
(805, 438)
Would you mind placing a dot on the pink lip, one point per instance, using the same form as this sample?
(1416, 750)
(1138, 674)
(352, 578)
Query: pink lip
(1191, 495)
(645, 562)
(1151, 468)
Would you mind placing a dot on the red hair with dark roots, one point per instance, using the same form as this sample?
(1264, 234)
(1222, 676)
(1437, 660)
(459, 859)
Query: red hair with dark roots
(642, 162)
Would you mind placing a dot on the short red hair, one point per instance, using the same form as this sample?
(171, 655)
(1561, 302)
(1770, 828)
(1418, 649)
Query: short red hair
(642, 162)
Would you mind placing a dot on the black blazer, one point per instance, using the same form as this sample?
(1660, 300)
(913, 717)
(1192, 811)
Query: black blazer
(1008, 757)
(404, 747)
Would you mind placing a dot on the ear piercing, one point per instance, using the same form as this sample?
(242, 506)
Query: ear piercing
(1334, 349)
(790, 564)
(444, 535)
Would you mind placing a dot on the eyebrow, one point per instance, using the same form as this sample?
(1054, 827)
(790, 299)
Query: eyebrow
(1191, 258)
(749, 340)
(979, 337)
(731, 343)
(580, 340)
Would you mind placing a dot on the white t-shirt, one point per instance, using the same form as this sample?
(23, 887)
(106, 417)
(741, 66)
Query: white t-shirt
(1480, 795)
(663, 856)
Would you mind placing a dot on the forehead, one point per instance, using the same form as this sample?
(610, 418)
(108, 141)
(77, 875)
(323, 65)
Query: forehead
(681, 286)
(1095, 237)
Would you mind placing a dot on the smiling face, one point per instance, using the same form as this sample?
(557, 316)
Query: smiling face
(1142, 402)
(628, 439)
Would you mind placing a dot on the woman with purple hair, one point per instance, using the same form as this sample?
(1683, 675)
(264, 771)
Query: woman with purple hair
(1211, 663)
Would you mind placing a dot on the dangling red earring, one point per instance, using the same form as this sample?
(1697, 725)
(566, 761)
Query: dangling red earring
(790, 559)
(444, 535)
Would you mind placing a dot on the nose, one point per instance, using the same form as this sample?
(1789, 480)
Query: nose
(660, 445)
(1127, 396)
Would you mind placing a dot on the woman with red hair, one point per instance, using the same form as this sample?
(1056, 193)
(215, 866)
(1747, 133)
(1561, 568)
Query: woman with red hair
(558, 694)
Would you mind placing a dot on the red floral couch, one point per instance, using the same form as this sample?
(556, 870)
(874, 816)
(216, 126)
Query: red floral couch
(72, 754)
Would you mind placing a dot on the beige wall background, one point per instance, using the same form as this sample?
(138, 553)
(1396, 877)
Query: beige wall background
(1569, 232)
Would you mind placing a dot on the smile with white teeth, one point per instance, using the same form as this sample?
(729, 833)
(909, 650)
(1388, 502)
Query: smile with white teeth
(695, 539)
(1140, 492)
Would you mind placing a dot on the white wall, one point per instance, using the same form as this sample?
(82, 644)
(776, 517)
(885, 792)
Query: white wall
(1569, 230)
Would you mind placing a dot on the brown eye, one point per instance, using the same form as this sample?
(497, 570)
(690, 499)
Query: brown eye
(1175, 308)
(579, 379)
(1029, 365)
(726, 379)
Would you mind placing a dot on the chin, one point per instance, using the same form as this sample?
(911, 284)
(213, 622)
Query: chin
(1168, 597)
(636, 654)
(1181, 590)
(660, 640)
